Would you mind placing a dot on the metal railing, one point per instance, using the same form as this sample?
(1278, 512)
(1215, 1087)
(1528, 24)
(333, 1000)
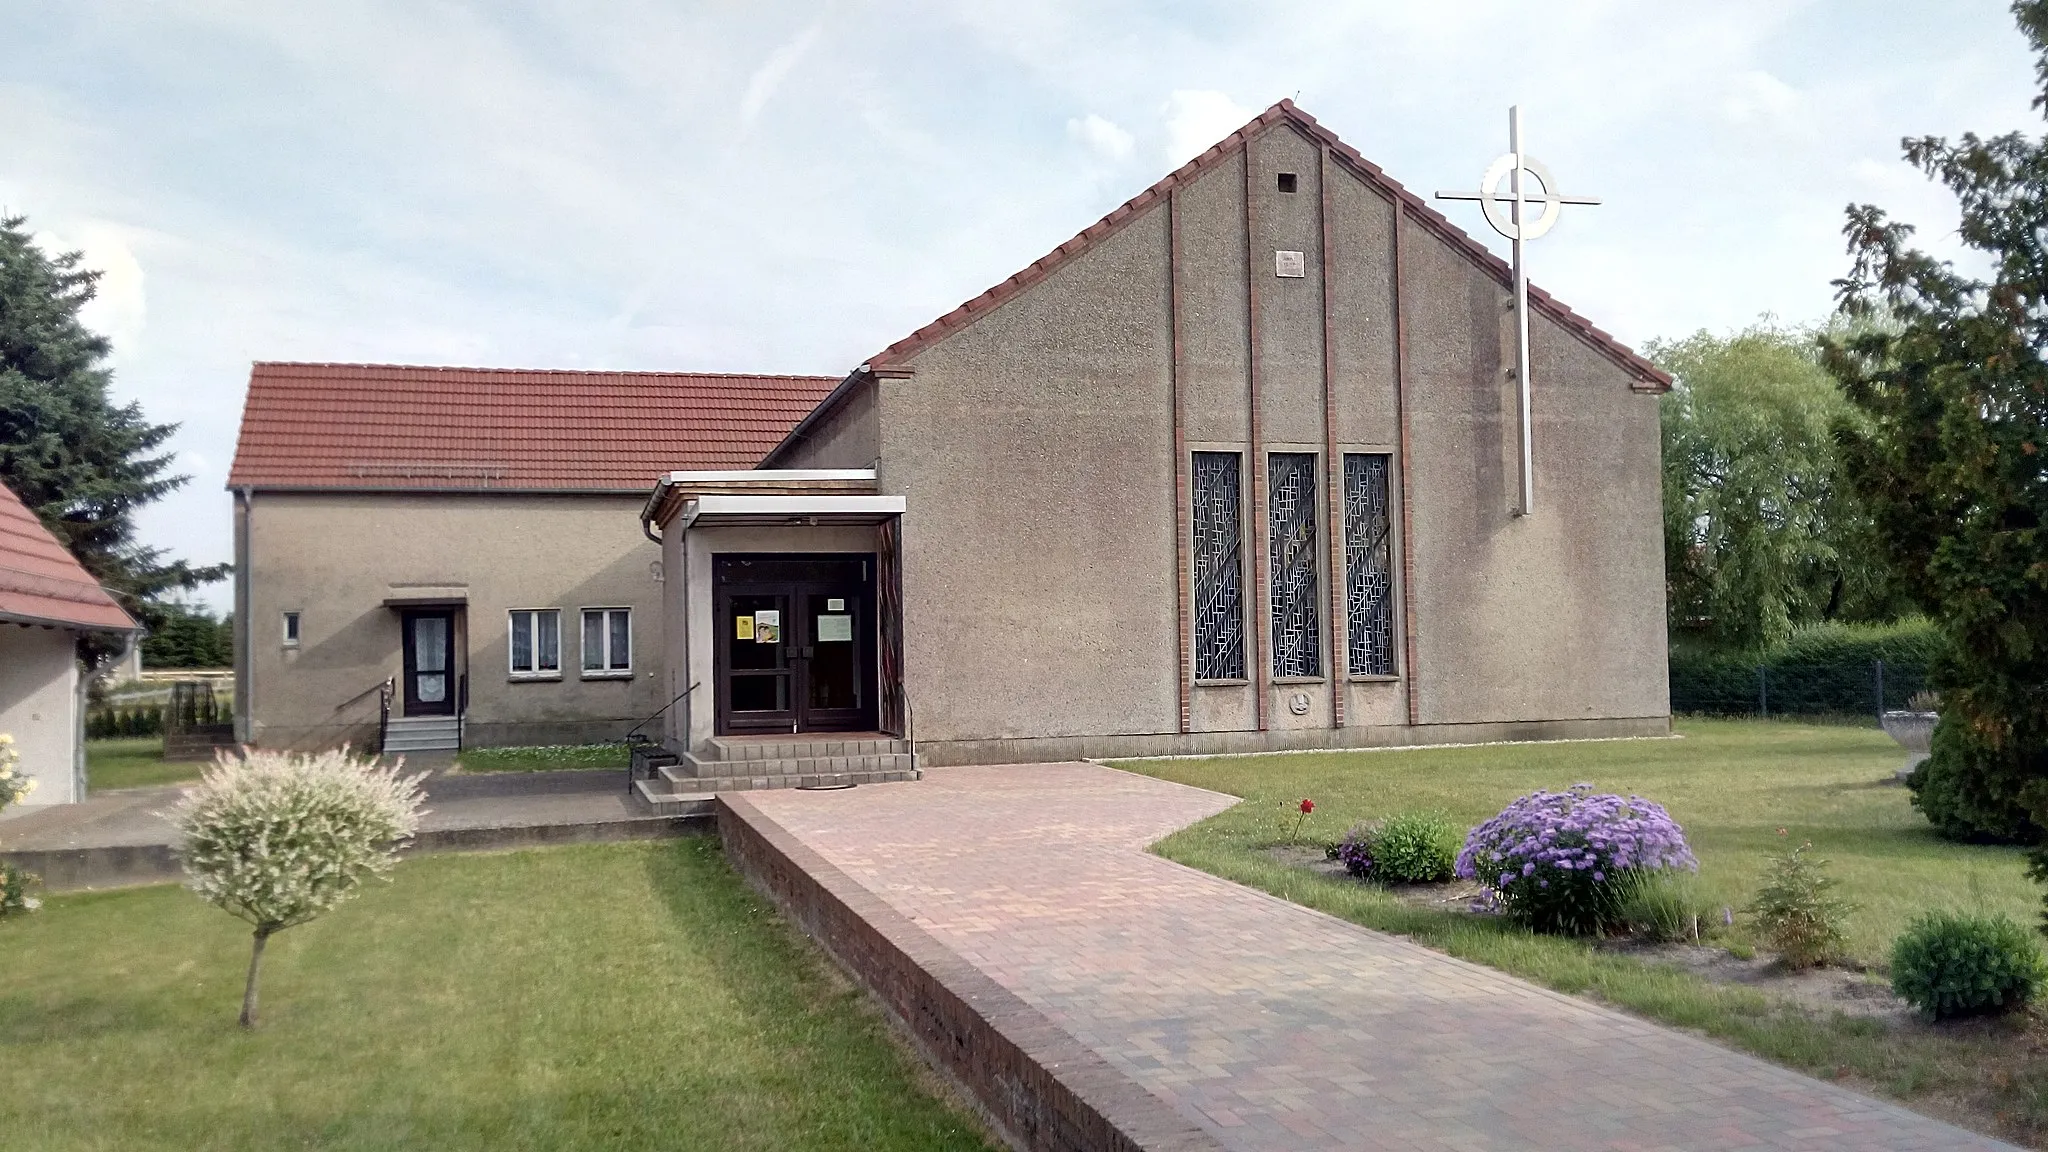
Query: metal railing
(634, 737)
(385, 692)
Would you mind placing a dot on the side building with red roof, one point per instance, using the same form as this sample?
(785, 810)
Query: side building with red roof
(429, 558)
(48, 602)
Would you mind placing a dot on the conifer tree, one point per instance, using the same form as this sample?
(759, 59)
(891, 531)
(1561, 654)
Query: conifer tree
(81, 462)
(1951, 465)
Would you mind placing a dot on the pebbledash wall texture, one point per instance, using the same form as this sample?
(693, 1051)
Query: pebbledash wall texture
(1043, 437)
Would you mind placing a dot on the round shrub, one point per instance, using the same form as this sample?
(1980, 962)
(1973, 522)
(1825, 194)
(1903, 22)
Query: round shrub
(1567, 861)
(1416, 848)
(1950, 964)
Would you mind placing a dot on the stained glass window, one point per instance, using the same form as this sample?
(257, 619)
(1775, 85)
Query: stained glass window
(1368, 564)
(1219, 613)
(1291, 506)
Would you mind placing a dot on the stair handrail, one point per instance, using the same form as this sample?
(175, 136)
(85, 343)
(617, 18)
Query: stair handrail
(385, 692)
(635, 729)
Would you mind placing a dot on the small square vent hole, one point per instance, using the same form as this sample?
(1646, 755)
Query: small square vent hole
(1287, 181)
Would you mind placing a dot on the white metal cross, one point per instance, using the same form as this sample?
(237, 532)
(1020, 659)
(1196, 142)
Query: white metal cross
(1506, 212)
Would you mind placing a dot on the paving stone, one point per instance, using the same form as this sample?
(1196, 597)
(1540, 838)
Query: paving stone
(1273, 1026)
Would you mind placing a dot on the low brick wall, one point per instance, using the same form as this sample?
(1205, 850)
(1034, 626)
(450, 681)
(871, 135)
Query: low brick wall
(1044, 1090)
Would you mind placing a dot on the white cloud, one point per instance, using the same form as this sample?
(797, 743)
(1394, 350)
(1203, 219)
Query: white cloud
(119, 307)
(1102, 136)
(1759, 97)
(769, 76)
(1197, 118)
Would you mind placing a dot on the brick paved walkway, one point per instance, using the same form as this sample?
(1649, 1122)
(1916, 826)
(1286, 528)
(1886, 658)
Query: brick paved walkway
(1276, 1027)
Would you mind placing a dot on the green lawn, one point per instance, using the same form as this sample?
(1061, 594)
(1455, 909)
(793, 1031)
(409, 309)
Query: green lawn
(544, 759)
(619, 996)
(1732, 784)
(134, 762)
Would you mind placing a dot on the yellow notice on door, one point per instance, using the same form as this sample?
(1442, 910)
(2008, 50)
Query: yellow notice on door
(745, 628)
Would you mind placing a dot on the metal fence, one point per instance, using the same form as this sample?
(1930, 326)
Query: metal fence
(1730, 688)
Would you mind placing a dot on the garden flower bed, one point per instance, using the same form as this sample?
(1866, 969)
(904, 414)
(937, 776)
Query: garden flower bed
(1733, 786)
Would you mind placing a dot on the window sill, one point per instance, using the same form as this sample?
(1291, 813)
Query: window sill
(608, 674)
(1221, 683)
(1284, 680)
(534, 677)
(1365, 678)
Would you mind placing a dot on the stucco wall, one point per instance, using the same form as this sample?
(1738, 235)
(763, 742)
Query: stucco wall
(1035, 451)
(1036, 446)
(334, 557)
(39, 707)
(846, 438)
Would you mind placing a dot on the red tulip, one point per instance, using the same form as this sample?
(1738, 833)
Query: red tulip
(1307, 806)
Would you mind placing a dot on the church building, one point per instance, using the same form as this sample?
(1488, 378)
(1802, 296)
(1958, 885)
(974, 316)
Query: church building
(1234, 469)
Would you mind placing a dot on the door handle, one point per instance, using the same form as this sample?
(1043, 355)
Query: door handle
(808, 652)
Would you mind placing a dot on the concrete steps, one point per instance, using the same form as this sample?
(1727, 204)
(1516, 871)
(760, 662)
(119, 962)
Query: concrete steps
(752, 763)
(422, 734)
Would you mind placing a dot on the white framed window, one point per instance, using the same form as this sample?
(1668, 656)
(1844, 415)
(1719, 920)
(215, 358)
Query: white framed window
(536, 643)
(291, 629)
(607, 642)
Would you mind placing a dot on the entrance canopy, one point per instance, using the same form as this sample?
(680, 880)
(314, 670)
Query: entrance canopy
(768, 497)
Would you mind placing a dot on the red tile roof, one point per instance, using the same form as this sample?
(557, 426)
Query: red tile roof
(41, 583)
(1646, 373)
(390, 426)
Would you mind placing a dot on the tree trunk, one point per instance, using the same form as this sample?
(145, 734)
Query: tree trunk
(255, 964)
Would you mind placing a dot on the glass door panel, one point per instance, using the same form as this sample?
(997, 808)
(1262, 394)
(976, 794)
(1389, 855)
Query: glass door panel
(758, 672)
(833, 680)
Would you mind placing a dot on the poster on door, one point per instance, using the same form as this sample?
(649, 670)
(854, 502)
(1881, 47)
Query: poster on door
(768, 627)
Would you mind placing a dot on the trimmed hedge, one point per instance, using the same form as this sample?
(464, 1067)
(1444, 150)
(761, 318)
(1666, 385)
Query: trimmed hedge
(1825, 669)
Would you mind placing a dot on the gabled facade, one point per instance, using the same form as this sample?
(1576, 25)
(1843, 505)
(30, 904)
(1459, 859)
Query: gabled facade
(48, 602)
(1235, 469)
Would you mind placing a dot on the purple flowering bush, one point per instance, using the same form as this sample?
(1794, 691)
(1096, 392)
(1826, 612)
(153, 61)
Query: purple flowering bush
(1354, 851)
(1567, 861)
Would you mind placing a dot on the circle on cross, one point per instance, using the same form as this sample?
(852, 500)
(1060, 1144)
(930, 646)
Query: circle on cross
(1499, 204)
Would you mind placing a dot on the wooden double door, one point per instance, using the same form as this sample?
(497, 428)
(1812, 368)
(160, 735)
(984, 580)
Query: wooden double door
(795, 642)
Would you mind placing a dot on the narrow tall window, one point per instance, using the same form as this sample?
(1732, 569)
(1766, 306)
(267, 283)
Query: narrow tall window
(536, 635)
(607, 641)
(291, 629)
(1297, 622)
(1219, 611)
(1368, 564)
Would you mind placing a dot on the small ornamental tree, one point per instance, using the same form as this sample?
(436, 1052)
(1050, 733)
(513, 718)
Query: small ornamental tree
(1567, 861)
(277, 838)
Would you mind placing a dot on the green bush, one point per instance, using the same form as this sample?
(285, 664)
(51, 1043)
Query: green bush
(1663, 907)
(1951, 964)
(1416, 848)
(1796, 915)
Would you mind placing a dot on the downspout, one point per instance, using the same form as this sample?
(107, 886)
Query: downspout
(245, 679)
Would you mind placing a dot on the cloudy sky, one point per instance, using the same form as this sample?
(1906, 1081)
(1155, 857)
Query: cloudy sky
(763, 186)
